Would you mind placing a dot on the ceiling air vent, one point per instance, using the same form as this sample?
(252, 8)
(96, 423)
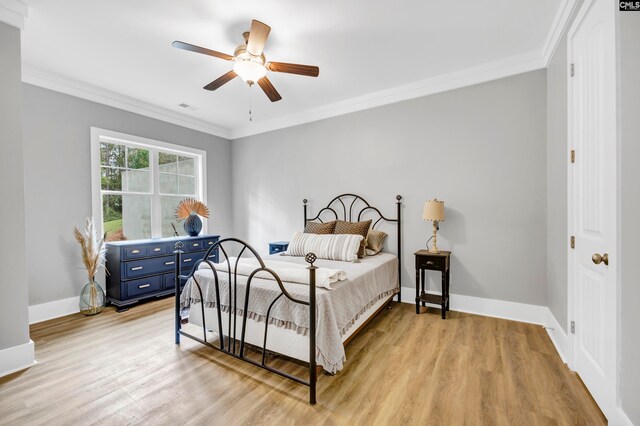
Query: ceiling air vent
(187, 106)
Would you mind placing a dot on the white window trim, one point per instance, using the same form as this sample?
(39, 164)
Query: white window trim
(98, 134)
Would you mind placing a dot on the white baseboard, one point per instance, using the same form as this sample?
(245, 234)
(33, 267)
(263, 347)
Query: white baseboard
(533, 314)
(17, 358)
(55, 309)
(558, 336)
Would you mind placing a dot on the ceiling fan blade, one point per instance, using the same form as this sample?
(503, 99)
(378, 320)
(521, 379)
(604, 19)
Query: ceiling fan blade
(306, 70)
(269, 90)
(215, 84)
(203, 50)
(257, 37)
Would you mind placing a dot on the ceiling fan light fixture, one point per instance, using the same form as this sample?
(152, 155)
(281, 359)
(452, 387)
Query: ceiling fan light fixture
(249, 70)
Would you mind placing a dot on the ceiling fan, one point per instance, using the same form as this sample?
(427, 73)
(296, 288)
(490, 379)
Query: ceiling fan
(250, 63)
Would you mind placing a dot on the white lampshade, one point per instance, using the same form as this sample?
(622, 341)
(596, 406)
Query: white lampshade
(433, 210)
(249, 70)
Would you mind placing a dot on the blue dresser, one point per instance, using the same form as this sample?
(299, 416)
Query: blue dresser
(143, 269)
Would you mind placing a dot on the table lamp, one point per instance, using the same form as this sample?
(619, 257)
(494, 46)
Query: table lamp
(434, 211)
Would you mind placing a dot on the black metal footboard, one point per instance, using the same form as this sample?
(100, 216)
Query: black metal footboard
(228, 343)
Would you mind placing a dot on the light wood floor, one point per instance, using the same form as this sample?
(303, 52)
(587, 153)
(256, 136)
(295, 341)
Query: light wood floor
(402, 369)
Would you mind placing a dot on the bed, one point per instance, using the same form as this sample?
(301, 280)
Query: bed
(268, 302)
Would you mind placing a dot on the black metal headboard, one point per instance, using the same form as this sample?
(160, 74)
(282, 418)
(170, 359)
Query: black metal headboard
(358, 206)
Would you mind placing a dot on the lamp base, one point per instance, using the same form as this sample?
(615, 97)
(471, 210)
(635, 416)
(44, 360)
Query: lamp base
(434, 250)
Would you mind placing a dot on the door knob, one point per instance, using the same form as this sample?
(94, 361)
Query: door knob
(598, 259)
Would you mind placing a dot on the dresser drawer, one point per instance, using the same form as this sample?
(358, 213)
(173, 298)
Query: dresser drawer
(209, 242)
(169, 281)
(140, 268)
(189, 259)
(432, 262)
(134, 252)
(194, 245)
(158, 249)
(143, 286)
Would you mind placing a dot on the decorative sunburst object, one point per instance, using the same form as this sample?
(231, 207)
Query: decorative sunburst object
(190, 211)
(189, 206)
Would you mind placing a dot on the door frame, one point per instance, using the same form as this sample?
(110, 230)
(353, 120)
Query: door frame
(614, 412)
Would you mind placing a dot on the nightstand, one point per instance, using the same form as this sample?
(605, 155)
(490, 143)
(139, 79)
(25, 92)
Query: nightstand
(426, 261)
(278, 246)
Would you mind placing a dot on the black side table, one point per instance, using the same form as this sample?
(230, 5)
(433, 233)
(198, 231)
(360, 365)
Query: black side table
(432, 262)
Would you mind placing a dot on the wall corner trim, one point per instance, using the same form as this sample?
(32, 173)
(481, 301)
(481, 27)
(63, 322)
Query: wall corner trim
(13, 12)
(17, 358)
(54, 309)
(558, 336)
(558, 27)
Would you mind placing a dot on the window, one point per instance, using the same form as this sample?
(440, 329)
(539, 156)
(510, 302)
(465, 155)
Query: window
(138, 184)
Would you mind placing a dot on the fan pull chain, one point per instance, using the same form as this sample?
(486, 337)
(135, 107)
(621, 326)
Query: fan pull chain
(250, 117)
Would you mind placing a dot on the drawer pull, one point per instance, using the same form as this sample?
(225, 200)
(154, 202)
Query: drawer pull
(210, 243)
(429, 262)
(196, 245)
(135, 251)
(144, 286)
(169, 263)
(187, 260)
(157, 249)
(136, 268)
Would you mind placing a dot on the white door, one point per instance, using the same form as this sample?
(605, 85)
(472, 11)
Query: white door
(593, 199)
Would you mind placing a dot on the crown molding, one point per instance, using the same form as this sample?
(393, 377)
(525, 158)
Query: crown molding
(480, 74)
(58, 83)
(558, 27)
(13, 12)
(502, 68)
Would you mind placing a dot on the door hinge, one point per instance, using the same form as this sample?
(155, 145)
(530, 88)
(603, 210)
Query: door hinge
(573, 155)
(573, 242)
(573, 70)
(573, 327)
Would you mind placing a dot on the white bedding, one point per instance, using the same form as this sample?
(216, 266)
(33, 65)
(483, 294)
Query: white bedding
(368, 284)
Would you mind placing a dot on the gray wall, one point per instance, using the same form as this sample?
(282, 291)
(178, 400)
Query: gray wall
(58, 181)
(557, 157)
(630, 212)
(14, 320)
(481, 149)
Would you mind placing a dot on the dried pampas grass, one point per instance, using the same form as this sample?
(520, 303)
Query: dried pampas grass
(92, 248)
(188, 206)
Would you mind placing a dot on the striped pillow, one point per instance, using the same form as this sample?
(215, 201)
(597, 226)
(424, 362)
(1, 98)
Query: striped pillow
(331, 247)
(356, 228)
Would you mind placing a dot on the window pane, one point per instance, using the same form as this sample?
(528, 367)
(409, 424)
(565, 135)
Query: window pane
(111, 179)
(112, 217)
(167, 162)
(168, 207)
(136, 216)
(186, 166)
(168, 183)
(104, 153)
(136, 181)
(138, 158)
(116, 155)
(186, 185)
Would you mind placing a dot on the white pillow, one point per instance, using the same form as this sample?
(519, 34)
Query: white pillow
(326, 246)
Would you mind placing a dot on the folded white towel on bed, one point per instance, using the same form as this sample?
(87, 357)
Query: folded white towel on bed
(288, 272)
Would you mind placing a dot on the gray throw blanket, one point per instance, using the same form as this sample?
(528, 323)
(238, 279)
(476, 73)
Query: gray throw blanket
(337, 310)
